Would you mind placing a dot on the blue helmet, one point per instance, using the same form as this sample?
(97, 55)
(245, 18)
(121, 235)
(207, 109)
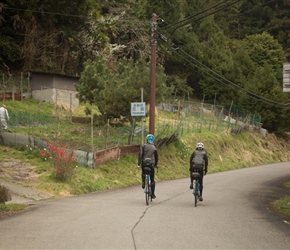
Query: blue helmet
(150, 138)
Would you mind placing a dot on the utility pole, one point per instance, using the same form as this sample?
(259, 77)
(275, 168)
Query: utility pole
(153, 73)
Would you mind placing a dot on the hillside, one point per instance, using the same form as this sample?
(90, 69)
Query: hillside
(227, 53)
(226, 152)
(25, 165)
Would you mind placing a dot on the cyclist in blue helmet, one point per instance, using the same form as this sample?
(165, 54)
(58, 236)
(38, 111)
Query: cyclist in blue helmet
(199, 162)
(148, 157)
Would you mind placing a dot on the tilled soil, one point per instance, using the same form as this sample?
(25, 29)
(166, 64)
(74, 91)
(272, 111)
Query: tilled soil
(16, 171)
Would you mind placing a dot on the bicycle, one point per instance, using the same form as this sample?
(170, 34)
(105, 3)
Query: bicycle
(147, 188)
(196, 186)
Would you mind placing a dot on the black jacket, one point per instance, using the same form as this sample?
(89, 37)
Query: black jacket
(148, 151)
(199, 157)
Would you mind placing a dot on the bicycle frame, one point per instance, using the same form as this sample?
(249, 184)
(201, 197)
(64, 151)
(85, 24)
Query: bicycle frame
(196, 191)
(147, 189)
(196, 188)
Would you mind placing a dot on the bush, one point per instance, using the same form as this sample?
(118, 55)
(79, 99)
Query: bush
(62, 160)
(4, 194)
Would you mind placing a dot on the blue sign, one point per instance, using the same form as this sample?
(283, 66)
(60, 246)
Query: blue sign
(138, 108)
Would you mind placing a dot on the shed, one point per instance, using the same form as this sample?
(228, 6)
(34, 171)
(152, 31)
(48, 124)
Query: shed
(55, 88)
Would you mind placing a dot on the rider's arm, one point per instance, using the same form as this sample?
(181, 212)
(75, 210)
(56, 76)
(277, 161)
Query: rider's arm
(205, 162)
(156, 158)
(140, 155)
(191, 158)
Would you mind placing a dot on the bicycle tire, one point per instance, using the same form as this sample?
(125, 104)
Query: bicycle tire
(147, 190)
(195, 193)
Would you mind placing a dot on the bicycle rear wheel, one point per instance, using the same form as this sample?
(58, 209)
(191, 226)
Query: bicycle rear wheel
(147, 191)
(195, 193)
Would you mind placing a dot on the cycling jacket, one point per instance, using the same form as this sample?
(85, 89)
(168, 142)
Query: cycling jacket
(199, 158)
(148, 151)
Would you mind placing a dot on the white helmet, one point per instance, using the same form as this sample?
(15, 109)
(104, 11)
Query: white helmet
(199, 146)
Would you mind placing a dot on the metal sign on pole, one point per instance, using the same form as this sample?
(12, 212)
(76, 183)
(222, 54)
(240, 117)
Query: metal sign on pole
(138, 109)
(286, 77)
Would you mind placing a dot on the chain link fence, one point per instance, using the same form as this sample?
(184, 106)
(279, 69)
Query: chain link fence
(173, 118)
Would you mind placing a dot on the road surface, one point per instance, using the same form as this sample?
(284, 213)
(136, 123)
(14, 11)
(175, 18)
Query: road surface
(235, 214)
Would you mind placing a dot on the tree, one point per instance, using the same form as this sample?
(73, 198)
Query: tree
(113, 86)
(265, 80)
(41, 35)
(264, 49)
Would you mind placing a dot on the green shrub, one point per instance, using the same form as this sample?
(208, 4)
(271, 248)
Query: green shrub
(4, 194)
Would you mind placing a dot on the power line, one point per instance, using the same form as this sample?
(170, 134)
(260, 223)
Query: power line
(45, 12)
(191, 16)
(186, 34)
(222, 55)
(251, 94)
(188, 19)
(222, 80)
(127, 21)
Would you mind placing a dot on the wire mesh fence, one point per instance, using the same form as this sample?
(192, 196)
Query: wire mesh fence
(171, 118)
(195, 117)
(13, 87)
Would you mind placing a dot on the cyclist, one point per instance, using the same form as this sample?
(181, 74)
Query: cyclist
(198, 161)
(148, 156)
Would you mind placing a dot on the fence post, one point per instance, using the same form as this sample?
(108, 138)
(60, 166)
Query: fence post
(219, 120)
(201, 115)
(70, 106)
(107, 134)
(21, 90)
(3, 81)
(92, 131)
(230, 115)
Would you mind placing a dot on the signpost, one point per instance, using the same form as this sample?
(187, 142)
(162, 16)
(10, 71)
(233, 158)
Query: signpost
(138, 109)
(286, 77)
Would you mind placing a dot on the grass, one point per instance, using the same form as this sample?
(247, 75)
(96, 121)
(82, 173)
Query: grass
(282, 206)
(225, 152)
(10, 209)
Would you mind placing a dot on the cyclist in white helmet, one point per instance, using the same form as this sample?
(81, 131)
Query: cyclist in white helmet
(198, 162)
(148, 157)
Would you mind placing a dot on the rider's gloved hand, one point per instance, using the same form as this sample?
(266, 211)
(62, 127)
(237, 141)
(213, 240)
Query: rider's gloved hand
(205, 171)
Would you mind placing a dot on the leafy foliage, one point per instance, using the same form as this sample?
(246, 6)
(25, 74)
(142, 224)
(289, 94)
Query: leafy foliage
(4, 194)
(220, 50)
(113, 86)
(35, 38)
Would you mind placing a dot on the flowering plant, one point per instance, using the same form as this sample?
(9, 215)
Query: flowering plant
(62, 159)
(45, 154)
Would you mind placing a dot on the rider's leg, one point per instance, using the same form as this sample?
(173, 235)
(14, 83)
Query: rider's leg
(190, 177)
(201, 182)
(152, 175)
(143, 179)
(191, 181)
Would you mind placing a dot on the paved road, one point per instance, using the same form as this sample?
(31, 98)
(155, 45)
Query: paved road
(233, 215)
